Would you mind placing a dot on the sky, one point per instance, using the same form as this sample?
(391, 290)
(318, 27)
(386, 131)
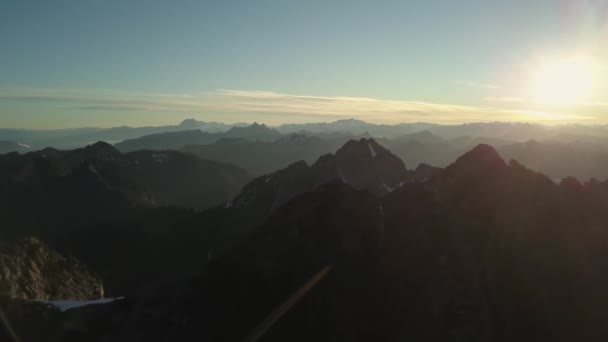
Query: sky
(112, 63)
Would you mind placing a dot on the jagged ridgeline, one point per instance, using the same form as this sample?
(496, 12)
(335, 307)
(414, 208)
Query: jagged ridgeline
(557, 151)
(481, 250)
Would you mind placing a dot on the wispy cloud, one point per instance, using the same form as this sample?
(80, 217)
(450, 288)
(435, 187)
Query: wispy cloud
(374, 109)
(106, 108)
(252, 104)
(472, 84)
(515, 99)
(504, 99)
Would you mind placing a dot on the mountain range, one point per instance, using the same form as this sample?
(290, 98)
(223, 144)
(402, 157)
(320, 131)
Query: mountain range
(479, 250)
(510, 131)
(99, 194)
(483, 250)
(80, 137)
(168, 178)
(261, 149)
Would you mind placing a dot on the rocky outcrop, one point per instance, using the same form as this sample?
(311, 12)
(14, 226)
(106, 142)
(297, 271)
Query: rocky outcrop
(29, 269)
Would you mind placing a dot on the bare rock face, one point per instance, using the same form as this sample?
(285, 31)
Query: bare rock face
(29, 269)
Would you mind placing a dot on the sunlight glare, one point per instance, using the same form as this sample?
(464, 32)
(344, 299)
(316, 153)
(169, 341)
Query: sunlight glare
(563, 81)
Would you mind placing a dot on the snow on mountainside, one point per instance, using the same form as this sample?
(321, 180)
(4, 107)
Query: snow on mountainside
(64, 305)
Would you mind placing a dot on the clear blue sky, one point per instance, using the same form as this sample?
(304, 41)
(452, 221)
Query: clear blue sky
(108, 63)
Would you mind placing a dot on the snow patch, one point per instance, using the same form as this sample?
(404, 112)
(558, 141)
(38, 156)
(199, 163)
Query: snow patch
(24, 145)
(64, 305)
(342, 176)
(93, 169)
(372, 152)
(388, 188)
(267, 179)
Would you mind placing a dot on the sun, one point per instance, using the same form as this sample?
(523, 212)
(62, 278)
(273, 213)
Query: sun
(563, 81)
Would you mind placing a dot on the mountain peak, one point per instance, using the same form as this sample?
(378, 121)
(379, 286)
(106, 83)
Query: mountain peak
(190, 123)
(102, 148)
(482, 157)
(101, 145)
(364, 164)
(257, 125)
(363, 146)
(484, 152)
(255, 131)
(253, 126)
(98, 151)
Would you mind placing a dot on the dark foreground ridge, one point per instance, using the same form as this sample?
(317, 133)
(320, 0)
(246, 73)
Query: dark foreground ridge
(480, 251)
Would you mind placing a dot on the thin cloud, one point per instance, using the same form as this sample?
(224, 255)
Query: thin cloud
(504, 99)
(472, 84)
(252, 104)
(375, 109)
(514, 99)
(107, 108)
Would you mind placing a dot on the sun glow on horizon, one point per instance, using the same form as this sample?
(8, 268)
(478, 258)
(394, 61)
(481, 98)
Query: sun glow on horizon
(564, 81)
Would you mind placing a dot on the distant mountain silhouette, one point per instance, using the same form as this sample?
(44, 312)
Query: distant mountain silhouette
(558, 160)
(80, 137)
(255, 132)
(356, 127)
(209, 127)
(547, 149)
(428, 148)
(502, 131)
(550, 152)
(423, 137)
(179, 139)
(167, 140)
